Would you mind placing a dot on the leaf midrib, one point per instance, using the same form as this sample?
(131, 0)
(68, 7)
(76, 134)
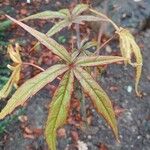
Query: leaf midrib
(63, 95)
(97, 96)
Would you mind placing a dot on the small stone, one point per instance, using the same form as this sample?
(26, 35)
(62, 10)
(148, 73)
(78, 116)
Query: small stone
(139, 137)
(89, 137)
(129, 89)
(137, 0)
(108, 49)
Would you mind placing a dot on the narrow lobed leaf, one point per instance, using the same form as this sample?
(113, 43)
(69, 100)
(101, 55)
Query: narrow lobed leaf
(58, 108)
(99, 98)
(66, 12)
(97, 60)
(45, 15)
(58, 27)
(89, 18)
(89, 44)
(129, 46)
(139, 63)
(32, 86)
(46, 41)
(80, 8)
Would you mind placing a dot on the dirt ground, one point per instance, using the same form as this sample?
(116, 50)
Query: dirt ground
(117, 80)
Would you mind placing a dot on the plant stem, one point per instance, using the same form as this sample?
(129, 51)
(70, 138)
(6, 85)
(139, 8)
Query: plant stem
(78, 35)
(31, 64)
(104, 16)
(102, 28)
(104, 44)
(83, 108)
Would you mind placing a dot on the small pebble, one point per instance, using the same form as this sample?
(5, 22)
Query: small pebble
(137, 0)
(89, 137)
(129, 89)
(28, 1)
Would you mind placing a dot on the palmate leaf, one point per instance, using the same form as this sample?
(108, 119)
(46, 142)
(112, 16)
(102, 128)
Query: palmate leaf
(46, 15)
(99, 98)
(32, 86)
(46, 41)
(97, 60)
(58, 108)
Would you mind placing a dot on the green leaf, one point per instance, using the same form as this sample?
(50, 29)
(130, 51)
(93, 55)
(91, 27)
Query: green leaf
(66, 12)
(80, 8)
(97, 60)
(46, 41)
(89, 45)
(99, 98)
(81, 18)
(46, 15)
(58, 27)
(32, 86)
(5, 25)
(58, 108)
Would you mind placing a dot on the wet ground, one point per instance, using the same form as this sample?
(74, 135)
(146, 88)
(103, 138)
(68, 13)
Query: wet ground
(134, 122)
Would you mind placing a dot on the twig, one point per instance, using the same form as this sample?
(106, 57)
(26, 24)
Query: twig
(83, 108)
(101, 29)
(105, 43)
(104, 16)
(31, 64)
(78, 35)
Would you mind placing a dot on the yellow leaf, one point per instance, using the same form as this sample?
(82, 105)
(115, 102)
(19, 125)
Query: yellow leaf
(15, 76)
(129, 46)
(58, 108)
(14, 53)
(12, 82)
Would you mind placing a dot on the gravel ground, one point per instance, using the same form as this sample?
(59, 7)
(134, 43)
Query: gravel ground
(134, 122)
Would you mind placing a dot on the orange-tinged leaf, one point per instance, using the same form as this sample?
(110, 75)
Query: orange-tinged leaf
(46, 41)
(80, 8)
(58, 108)
(46, 15)
(32, 86)
(58, 27)
(97, 60)
(99, 98)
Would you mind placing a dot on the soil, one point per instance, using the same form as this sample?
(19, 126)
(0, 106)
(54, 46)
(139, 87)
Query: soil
(117, 80)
